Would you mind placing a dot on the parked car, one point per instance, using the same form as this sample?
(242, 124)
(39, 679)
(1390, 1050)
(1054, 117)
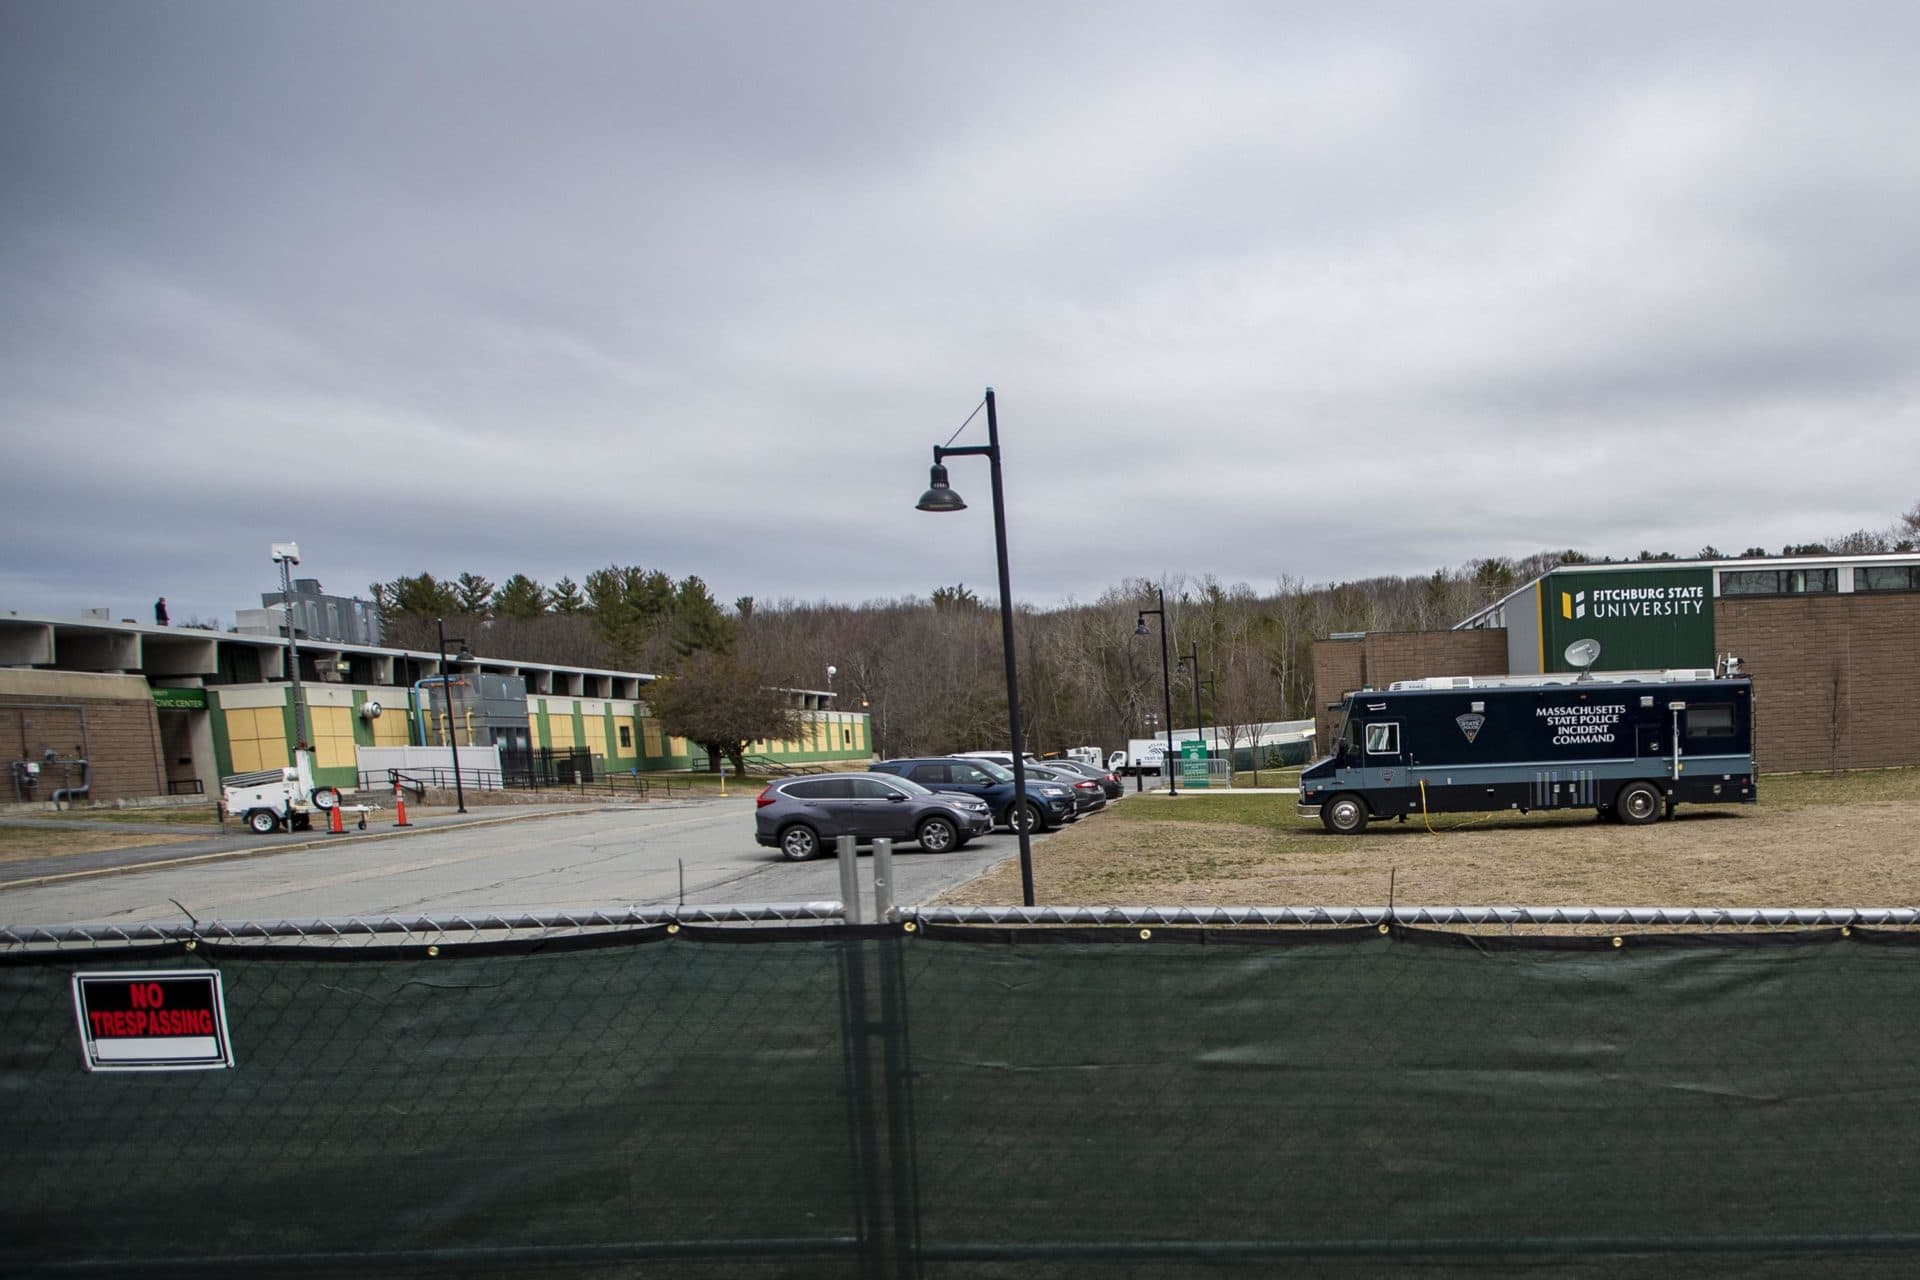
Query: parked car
(1048, 803)
(1087, 795)
(1002, 758)
(801, 817)
(1109, 781)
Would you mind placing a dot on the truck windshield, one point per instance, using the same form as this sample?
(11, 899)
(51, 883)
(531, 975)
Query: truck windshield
(1346, 739)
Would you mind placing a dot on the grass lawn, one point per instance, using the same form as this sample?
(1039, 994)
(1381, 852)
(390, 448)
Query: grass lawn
(1813, 840)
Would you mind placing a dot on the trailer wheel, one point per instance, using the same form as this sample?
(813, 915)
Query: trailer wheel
(1638, 804)
(262, 821)
(326, 797)
(1344, 815)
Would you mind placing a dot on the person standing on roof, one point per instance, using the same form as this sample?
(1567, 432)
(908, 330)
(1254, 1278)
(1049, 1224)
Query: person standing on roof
(160, 611)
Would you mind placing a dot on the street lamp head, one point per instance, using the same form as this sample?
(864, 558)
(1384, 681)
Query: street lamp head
(1140, 625)
(1181, 666)
(939, 495)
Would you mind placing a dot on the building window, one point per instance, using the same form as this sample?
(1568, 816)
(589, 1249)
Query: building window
(1778, 582)
(626, 737)
(1899, 577)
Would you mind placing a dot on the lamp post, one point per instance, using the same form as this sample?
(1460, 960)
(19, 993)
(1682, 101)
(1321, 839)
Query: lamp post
(941, 497)
(453, 732)
(1190, 667)
(287, 555)
(1166, 681)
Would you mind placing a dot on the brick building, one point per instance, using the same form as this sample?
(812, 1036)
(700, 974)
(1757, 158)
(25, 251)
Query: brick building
(1831, 643)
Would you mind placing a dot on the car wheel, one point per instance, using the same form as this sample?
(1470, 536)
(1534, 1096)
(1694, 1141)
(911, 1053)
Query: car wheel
(263, 821)
(1638, 804)
(326, 797)
(937, 835)
(798, 843)
(1344, 815)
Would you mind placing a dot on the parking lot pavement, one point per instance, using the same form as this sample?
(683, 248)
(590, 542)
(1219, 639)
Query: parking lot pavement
(696, 851)
(212, 841)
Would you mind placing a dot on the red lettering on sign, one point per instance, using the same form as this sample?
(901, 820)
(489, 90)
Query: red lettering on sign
(147, 995)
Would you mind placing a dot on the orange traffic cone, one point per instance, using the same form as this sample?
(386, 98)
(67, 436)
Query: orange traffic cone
(400, 806)
(335, 826)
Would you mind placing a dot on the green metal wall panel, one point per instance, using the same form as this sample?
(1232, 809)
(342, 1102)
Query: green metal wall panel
(1644, 619)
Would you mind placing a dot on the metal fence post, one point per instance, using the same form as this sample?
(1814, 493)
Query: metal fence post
(882, 881)
(849, 880)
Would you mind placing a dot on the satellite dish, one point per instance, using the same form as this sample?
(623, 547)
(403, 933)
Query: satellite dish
(1583, 654)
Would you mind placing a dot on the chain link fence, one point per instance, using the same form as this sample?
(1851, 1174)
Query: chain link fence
(1065, 1092)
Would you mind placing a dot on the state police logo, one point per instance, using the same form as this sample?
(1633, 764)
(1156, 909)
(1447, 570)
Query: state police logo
(1470, 725)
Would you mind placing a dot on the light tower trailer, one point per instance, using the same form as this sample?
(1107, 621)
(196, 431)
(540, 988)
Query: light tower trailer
(275, 799)
(1630, 745)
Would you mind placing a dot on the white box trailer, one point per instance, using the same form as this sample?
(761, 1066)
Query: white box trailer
(1144, 756)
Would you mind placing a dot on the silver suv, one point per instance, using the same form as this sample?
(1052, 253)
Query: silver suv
(801, 816)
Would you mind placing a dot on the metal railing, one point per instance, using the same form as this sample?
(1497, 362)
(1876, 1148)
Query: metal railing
(492, 927)
(391, 930)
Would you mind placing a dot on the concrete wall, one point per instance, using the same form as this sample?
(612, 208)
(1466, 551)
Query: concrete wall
(110, 718)
(1835, 680)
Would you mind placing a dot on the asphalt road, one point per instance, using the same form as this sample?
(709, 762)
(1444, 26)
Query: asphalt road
(635, 856)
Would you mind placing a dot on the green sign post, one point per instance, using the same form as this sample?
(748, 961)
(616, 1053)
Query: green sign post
(1193, 764)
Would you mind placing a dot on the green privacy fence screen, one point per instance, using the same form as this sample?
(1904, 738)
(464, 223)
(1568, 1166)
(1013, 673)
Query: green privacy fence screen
(831, 1100)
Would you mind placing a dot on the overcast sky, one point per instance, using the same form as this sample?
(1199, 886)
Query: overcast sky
(1318, 290)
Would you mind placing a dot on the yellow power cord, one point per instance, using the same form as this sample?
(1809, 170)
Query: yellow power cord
(1427, 818)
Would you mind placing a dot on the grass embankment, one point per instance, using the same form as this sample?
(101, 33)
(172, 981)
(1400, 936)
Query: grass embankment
(1814, 840)
(195, 815)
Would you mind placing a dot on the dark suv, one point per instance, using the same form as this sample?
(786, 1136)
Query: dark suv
(1049, 803)
(800, 816)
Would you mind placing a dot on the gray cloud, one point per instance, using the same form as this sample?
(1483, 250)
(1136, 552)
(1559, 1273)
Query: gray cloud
(1263, 290)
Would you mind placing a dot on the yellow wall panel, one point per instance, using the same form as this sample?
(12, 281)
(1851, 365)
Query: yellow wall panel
(332, 730)
(390, 730)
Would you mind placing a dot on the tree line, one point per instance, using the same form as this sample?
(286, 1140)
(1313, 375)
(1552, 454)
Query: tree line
(929, 671)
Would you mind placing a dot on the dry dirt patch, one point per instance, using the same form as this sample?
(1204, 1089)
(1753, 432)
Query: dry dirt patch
(20, 844)
(1798, 853)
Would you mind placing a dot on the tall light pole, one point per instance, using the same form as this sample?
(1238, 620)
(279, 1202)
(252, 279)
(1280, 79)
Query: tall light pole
(287, 555)
(453, 732)
(1166, 681)
(941, 497)
(1190, 667)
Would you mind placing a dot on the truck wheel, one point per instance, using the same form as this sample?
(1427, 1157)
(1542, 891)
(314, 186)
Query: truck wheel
(1344, 815)
(263, 821)
(1638, 804)
(325, 797)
